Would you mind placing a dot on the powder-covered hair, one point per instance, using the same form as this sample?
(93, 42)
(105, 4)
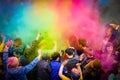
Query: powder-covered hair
(13, 62)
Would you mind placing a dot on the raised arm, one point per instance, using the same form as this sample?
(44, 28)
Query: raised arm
(5, 60)
(61, 71)
(38, 36)
(80, 71)
(2, 45)
(30, 66)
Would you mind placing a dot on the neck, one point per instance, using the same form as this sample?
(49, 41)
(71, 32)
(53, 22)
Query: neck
(70, 56)
(58, 59)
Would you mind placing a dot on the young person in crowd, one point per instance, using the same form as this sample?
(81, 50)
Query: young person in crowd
(43, 68)
(12, 69)
(55, 66)
(92, 70)
(72, 60)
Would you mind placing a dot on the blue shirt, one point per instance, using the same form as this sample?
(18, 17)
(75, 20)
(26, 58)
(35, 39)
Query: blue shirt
(17, 73)
(55, 66)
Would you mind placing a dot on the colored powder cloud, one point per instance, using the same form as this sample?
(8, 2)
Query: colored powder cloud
(60, 19)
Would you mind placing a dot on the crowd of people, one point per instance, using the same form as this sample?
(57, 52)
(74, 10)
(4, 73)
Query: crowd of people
(29, 63)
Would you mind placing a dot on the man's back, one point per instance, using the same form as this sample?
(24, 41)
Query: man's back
(44, 70)
(55, 66)
(71, 64)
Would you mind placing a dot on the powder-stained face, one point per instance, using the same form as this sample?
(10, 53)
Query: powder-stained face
(110, 49)
(75, 70)
(109, 32)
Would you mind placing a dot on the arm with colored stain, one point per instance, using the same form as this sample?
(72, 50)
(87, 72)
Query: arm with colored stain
(30, 66)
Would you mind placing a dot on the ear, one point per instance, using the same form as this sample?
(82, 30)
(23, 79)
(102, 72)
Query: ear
(58, 58)
(47, 60)
(67, 55)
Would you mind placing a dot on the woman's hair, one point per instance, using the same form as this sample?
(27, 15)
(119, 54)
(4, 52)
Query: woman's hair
(97, 64)
(13, 62)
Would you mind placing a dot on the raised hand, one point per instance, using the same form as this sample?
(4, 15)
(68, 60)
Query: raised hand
(9, 43)
(78, 64)
(64, 63)
(39, 53)
(38, 36)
